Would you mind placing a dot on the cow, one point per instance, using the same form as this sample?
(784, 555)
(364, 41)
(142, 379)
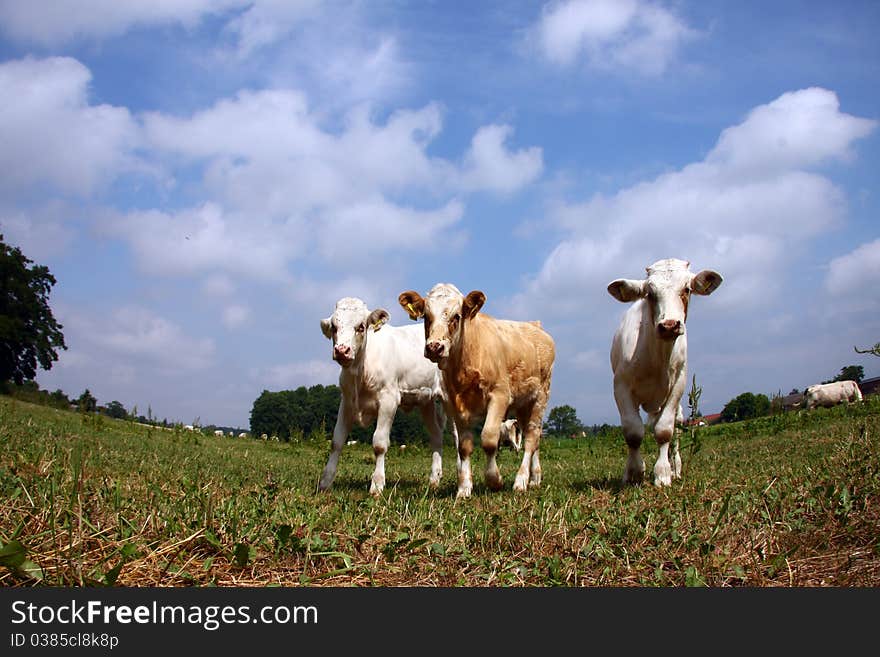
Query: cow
(510, 434)
(489, 366)
(831, 394)
(218, 432)
(242, 435)
(649, 359)
(381, 369)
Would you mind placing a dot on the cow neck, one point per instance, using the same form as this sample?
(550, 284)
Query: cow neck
(460, 355)
(660, 351)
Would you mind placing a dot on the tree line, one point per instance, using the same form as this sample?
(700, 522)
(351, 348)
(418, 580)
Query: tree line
(310, 413)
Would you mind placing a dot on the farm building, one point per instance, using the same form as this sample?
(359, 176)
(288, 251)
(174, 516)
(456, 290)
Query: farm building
(870, 386)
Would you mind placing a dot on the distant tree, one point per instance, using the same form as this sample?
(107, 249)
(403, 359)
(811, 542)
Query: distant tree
(870, 350)
(29, 334)
(87, 402)
(563, 421)
(851, 373)
(745, 406)
(117, 410)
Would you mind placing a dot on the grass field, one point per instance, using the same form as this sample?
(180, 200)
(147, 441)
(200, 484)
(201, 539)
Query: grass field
(790, 500)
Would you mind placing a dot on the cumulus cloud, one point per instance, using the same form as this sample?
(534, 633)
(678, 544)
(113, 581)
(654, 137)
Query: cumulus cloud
(266, 22)
(134, 335)
(744, 220)
(53, 22)
(856, 274)
(52, 135)
(40, 233)
(205, 239)
(489, 165)
(611, 34)
(305, 373)
(235, 316)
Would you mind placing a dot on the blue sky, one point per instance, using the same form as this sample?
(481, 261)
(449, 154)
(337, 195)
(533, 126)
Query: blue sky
(206, 179)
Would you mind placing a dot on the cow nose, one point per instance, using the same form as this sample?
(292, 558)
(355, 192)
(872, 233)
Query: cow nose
(342, 350)
(669, 327)
(434, 350)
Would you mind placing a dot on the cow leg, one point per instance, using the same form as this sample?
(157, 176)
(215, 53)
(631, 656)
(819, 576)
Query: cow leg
(465, 447)
(434, 422)
(495, 413)
(529, 473)
(664, 428)
(340, 433)
(381, 440)
(633, 433)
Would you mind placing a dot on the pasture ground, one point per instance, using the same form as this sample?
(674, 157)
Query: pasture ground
(789, 500)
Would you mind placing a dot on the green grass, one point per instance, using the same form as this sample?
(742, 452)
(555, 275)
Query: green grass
(790, 500)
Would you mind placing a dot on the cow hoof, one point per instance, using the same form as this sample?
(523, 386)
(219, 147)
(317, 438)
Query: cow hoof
(494, 481)
(633, 478)
(463, 491)
(521, 483)
(376, 488)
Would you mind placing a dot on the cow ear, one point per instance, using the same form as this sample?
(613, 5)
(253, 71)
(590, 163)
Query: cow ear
(412, 303)
(626, 290)
(472, 304)
(377, 318)
(327, 328)
(706, 282)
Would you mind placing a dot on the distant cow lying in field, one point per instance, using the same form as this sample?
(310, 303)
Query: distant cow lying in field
(489, 366)
(649, 359)
(831, 394)
(510, 434)
(382, 368)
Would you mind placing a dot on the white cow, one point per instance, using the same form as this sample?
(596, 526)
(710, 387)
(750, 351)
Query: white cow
(649, 359)
(242, 435)
(831, 394)
(382, 368)
(189, 427)
(218, 432)
(510, 434)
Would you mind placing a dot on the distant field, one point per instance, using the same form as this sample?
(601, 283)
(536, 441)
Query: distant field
(790, 500)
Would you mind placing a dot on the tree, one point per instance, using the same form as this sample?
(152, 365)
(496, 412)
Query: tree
(745, 406)
(117, 410)
(563, 421)
(849, 373)
(870, 350)
(87, 402)
(29, 334)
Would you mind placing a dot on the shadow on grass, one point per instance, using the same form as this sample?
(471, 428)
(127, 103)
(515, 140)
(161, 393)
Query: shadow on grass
(613, 485)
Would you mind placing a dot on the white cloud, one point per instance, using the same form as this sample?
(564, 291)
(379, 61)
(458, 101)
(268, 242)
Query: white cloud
(746, 221)
(489, 165)
(292, 375)
(266, 22)
(52, 135)
(856, 274)
(205, 239)
(236, 316)
(611, 34)
(40, 233)
(53, 22)
(134, 336)
(797, 130)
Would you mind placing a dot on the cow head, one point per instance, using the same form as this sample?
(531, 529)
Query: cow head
(348, 327)
(446, 310)
(667, 291)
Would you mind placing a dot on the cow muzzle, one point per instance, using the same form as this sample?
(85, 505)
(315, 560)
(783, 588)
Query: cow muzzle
(670, 329)
(435, 351)
(342, 354)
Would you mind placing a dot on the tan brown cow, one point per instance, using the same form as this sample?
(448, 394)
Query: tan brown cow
(489, 366)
